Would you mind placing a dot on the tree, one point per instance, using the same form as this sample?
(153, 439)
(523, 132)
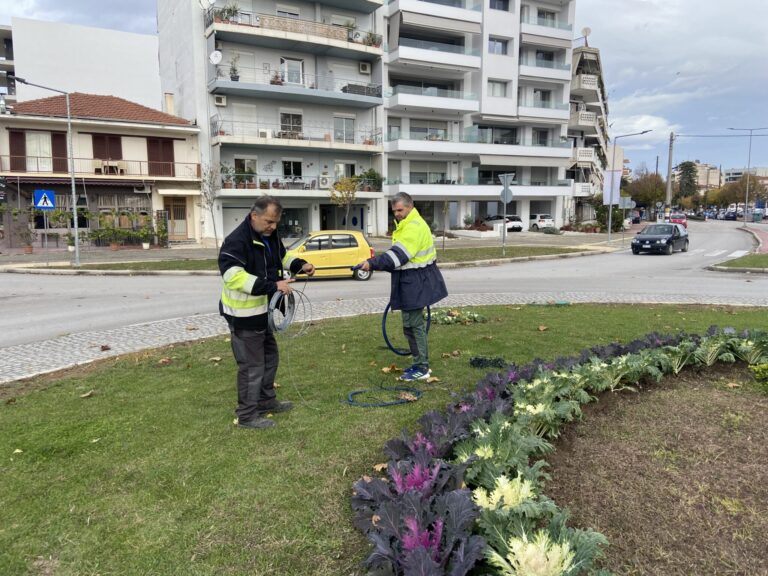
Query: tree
(687, 181)
(647, 188)
(601, 214)
(735, 192)
(209, 191)
(343, 194)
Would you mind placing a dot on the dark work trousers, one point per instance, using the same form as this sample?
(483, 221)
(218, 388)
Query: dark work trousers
(415, 331)
(257, 358)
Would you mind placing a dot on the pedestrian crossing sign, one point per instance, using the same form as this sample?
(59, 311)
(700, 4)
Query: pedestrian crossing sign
(45, 200)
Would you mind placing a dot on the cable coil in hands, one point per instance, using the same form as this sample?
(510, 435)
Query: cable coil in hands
(283, 310)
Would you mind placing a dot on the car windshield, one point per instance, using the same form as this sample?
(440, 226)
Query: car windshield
(297, 242)
(657, 230)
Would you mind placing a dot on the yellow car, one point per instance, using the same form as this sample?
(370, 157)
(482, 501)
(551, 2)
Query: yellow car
(334, 252)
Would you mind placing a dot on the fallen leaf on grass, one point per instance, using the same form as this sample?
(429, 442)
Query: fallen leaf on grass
(105, 347)
(407, 396)
(18, 451)
(214, 359)
(276, 385)
(192, 328)
(542, 328)
(88, 394)
(456, 353)
(733, 385)
(95, 440)
(487, 337)
(372, 363)
(432, 379)
(11, 401)
(343, 348)
(380, 467)
(164, 361)
(391, 369)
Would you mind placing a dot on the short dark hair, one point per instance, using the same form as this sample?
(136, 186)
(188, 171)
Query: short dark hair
(402, 197)
(262, 204)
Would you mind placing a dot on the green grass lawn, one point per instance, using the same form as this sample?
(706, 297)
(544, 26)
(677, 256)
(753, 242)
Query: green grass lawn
(148, 475)
(748, 261)
(447, 255)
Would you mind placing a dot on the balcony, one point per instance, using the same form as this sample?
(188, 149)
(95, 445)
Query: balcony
(459, 10)
(270, 181)
(587, 86)
(584, 121)
(430, 98)
(539, 68)
(583, 190)
(318, 137)
(283, 33)
(297, 87)
(437, 186)
(98, 168)
(433, 54)
(543, 109)
(543, 28)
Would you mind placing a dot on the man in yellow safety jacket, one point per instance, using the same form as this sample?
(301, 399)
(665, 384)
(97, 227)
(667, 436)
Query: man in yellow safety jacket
(252, 261)
(416, 280)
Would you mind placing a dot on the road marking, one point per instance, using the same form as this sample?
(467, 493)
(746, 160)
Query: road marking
(738, 254)
(717, 253)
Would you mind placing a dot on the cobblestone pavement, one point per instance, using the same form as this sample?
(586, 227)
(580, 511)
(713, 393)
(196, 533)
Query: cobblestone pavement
(18, 362)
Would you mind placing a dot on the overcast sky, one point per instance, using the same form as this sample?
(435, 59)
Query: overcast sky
(695, 67)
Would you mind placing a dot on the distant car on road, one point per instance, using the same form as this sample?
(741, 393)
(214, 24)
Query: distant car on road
(679, 218)
(661, 238)
(730, 216)
(334, 252)
(514, 223)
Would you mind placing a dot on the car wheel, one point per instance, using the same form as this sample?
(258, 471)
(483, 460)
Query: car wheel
(635, 251)
(362, 275)
(669, 250)
(535, 227)
(685, 246)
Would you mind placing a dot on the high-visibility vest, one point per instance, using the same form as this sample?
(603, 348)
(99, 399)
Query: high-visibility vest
(414, 237)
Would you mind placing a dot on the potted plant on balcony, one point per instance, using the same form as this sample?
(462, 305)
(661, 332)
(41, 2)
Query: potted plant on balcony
(249, 180)
(276, 79)
(226, 171)
(234, 73)
(145, 234)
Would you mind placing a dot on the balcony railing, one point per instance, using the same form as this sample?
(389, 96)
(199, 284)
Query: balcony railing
(305, 132)
(431, 91)
(546, 22)
(323, 83)
(99, 167)
(474, 136)
(473, 5)
(541, 63)
(437, 46)
(283, 24)
(548, 104)
(439, 178)
(310, 181)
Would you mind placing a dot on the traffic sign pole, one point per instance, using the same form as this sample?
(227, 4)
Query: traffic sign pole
(506, 198)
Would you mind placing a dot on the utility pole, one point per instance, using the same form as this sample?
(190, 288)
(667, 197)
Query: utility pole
(657, 164)
(668, 200)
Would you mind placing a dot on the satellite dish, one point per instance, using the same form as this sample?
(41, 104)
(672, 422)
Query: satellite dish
(215, 57)
(586, 31)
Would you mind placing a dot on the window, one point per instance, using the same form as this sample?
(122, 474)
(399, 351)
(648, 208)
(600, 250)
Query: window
(245, 169)
(343, 241)
(500, 5)
(343, 170)
(107, 147)
(343, 21)
(39, 152)
(545, 58)
(540, 137)
(344, 129)
(292, 169)
(290, 122)
(497, 46)
(542, 98)
(497, 135)
(497, 88)
(318, 243)
(429, 130)
(287, 11)
(546, 18)
(292, 70)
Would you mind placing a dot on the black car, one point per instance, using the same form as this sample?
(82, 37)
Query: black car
(662, 238)
(730, 216)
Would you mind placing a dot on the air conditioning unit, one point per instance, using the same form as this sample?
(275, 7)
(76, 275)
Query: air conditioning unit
(365, 67)
(325, 182)
(220, 100)
(265, 133)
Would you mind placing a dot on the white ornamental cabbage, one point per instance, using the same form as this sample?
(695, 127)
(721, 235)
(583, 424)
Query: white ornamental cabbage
(540, 557)
(507, 494)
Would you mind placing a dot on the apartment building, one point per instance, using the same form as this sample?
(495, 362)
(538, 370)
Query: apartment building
(736, 174)
(475, 90)
(288, 97)
(128, 161)
(7, 66)
(587, 132)
(708, 176)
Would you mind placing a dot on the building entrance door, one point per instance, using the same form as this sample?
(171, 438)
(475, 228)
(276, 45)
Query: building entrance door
(177, 218)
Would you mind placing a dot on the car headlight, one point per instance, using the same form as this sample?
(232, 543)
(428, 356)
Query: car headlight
(661, 241)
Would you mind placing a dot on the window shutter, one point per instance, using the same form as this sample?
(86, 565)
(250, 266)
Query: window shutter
(59, 152)
(18, 149)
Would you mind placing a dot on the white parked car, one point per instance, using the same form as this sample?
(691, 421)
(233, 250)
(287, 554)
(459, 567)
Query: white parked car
(514, 223)
(538, 221)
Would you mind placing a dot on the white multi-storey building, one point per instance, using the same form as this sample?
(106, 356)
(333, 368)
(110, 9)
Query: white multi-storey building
(476, 90)
(288, 99)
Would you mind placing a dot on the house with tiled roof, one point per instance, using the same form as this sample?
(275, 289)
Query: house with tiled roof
(131, 165)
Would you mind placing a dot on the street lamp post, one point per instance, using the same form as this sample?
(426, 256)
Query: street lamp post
(613, 169)
(749, 167)
(70, 158)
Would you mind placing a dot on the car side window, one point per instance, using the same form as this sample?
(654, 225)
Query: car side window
(318, 243)
(343, 241)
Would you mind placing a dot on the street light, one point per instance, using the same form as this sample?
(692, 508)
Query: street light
(69, 158)
(613, 169)
(749, 162)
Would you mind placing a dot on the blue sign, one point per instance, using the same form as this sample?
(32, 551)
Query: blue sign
(45, 200)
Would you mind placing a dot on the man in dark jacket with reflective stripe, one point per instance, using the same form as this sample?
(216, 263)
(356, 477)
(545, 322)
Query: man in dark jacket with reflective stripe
(416, 280)
(252, 262)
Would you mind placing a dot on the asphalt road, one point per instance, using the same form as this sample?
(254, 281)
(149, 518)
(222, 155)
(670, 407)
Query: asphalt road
(40, 307)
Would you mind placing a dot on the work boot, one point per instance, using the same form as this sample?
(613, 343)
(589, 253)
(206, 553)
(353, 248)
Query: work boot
(256, 423)
(276, 406)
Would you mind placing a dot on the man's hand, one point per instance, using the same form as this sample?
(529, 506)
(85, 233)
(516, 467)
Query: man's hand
(364, 265)
(284, 286)
(308, 269)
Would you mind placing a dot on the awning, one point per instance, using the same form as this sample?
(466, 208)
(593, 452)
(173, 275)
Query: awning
(78, 181)
(427, 21)
(490, 160)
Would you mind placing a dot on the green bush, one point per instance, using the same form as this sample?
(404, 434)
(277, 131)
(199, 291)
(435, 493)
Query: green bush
(761, 376)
